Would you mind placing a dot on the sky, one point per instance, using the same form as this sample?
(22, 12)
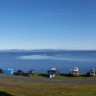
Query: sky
(48, 24)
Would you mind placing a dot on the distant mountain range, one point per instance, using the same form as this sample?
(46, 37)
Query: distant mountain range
(46, 50)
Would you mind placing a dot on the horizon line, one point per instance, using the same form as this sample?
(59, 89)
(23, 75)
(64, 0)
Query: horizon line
(47, 49)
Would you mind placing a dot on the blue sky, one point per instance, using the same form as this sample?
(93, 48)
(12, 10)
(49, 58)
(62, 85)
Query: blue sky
(48, 24)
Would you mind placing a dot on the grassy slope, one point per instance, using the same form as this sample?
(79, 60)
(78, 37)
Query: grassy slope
(23, 88)
(14, 87)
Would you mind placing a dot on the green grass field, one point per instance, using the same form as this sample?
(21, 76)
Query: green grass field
(10, 87)
(38, 89)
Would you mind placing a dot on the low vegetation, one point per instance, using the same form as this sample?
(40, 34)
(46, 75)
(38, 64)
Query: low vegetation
(14, 87)
(42, 89)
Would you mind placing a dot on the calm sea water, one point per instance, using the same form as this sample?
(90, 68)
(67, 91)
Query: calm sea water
(43, 61)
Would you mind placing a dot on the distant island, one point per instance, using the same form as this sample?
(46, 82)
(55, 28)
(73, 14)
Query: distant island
(50, 54)
(46, 50)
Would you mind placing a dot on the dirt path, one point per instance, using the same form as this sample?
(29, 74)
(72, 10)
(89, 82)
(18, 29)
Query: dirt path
(76, 80)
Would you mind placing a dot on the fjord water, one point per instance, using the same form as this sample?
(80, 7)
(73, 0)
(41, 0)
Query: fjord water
(43, 61)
